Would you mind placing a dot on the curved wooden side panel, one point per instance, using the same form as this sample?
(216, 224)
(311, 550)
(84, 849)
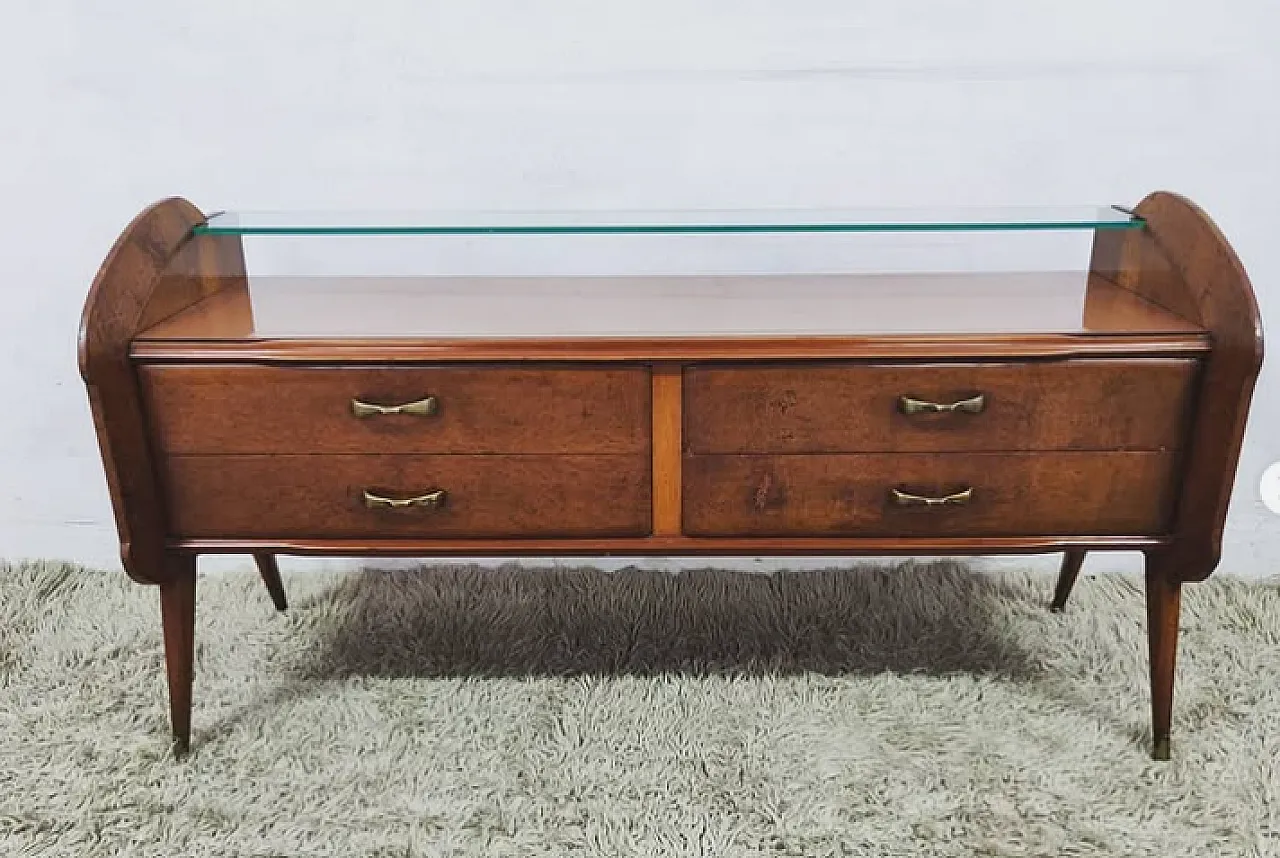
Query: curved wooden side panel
(125, 297)
(1182, 261)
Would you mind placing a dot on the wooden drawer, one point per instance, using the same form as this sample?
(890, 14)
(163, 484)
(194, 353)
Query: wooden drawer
(1013, 494)
(1087, 404)
(486, 496)
(229, 409)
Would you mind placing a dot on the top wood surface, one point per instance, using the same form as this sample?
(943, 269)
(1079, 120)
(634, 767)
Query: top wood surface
(668, 307)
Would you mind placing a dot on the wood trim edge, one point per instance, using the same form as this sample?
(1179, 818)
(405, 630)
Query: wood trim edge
(1183, 262)
(117, 303)
(668, 546)
(320, 351)
(666, 441)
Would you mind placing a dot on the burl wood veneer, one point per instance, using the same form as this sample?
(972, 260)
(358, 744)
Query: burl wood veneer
(943, 413)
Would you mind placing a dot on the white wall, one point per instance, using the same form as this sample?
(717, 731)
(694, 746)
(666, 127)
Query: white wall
(281, 104)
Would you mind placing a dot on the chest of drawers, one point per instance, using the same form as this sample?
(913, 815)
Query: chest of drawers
(827, 414)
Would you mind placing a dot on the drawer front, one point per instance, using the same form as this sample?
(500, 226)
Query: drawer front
(484, 496)
(1010, 494)
(860, 408)
(222, 409)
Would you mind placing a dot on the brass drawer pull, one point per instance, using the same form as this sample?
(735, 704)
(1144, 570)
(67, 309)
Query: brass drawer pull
(972, 405)
(431, 500)
(420, 408)
(902, 498)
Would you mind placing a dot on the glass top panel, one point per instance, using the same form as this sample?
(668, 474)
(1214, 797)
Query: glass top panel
(657, 221)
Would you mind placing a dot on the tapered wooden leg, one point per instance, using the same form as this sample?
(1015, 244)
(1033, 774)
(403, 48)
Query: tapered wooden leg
(1071, 562)
(1164, 598)
(178, 613)
(270, 573)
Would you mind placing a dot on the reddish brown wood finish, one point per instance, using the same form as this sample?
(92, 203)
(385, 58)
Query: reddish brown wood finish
(667, 404)
(839, 408)
(1072, 560)
(203, 268)
(355, 351)
(671, 308)
(269, 570)
(1014, 494)
(693, 546)
(178, 615)
(217, 409)
(1182, 262)
(283, 472)
(493, 496)
(1164, 595)
(121, 301)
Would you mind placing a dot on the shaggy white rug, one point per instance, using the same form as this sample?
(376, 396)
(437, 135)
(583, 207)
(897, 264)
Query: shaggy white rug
(920, 710)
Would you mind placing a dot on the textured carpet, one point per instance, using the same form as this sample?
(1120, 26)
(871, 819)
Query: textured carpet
(919, 710)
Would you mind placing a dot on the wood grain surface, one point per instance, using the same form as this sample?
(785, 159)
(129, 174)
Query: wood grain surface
(178, 619)
(570, 421)
(114, 310)
(480, 409)
(667, 404)
(968, 303)
(889, 347)
(668, 546)
(1182, 262)
(927, 316)
(1013, 494)
(287, 496)
(1164, 604)
(1048, 405)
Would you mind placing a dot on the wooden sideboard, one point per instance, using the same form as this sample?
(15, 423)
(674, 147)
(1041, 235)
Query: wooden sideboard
(944, 413)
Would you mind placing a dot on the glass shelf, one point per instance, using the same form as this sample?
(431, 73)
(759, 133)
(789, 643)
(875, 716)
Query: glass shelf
(669, 222)
(662, 275)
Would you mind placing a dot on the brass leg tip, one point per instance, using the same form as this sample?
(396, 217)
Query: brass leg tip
(1057, 608)
(181, 747)
(1160, 751)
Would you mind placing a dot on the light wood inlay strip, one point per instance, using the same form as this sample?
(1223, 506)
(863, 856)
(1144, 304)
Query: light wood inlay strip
(670, 546)
(352, 350)
(666, 449)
